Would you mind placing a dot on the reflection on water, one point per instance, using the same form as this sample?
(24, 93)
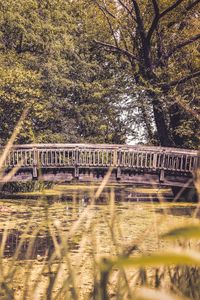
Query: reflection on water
(188, 211)
(32, 247)
(41, 245)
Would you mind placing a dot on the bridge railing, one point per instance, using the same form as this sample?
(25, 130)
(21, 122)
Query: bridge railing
(85, 155)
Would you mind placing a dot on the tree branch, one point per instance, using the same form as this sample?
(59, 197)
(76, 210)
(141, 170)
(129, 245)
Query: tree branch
(158, 16)
(156, 7)
(109, 24)
(192, 5)
(155, 20)
(140, 24)
(126, 8)
(185, 13)
(166, 86)
(183, 44)
(104, 8)
(170, 8)
(112, 31)
(116, 49)
(138, 15)
(124, 40)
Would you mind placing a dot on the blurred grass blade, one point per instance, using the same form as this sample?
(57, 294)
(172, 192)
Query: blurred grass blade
(150, 294)
(103, 183)
(192, 231)
(167, 259)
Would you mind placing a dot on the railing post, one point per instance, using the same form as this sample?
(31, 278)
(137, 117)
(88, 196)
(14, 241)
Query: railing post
(155, 160)
(77, 156)
(119, 157)
(35, 163)
(115, 158)
(162, 171)
(76, 163)
(118, 162)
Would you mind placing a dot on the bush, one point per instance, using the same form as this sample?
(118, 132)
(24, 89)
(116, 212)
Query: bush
(29, 186)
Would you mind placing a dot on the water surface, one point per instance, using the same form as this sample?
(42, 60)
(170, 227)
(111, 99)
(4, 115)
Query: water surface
(109, 226)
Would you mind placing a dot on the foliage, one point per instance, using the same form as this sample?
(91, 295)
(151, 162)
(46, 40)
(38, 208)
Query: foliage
(161, 47)
(23, 187)
(138, 76)
(48, 64)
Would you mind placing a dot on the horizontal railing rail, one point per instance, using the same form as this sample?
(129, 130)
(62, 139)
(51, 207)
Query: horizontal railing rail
(102, 155)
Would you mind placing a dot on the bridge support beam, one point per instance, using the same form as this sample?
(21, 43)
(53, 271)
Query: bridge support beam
(35, 173)
(162, 176)
(119, 173)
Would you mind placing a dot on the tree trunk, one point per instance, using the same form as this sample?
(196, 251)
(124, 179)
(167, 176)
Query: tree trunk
(176, 116)
(160, 121)
(147, 121)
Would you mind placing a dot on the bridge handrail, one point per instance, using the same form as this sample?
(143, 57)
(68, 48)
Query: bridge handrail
(108, 146)
(103, 155)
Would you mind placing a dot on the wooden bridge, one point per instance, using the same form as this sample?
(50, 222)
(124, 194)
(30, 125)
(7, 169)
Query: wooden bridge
(86, 163)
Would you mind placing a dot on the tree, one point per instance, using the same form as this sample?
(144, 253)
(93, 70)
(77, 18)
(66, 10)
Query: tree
(26, 37)
(161, 47)
(48, 64)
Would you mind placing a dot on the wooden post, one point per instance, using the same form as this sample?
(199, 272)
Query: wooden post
(115, 162)
(162, 166)
(155, 160)
(119, 157)
(76, 172)
(76, 163)
(76, 156)
(35, 163)
(162, 175)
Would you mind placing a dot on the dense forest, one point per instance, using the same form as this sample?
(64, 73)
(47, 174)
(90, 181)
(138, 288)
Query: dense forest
(100, 71)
